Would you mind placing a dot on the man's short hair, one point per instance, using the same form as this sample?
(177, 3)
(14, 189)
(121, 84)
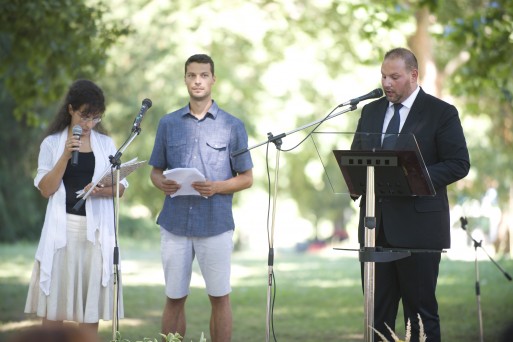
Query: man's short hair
(200, 58)
(406, 55)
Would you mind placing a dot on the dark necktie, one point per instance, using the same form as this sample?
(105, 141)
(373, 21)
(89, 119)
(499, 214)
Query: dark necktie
(393, 129)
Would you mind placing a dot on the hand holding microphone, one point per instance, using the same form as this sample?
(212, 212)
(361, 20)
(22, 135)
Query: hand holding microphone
(77, 132)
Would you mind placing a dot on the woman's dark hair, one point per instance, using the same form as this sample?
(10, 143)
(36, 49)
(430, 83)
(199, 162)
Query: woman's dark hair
(80, 93)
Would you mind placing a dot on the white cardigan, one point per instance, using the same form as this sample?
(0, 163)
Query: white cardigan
(100, 212)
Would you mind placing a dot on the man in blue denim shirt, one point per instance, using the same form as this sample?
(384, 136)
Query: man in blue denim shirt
(202, 136)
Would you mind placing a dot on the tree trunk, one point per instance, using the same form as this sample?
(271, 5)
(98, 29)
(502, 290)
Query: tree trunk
(421, 45)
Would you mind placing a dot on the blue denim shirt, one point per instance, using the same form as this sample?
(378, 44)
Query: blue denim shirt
(184, 141)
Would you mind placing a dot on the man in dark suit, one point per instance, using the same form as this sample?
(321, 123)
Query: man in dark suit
(412, 222)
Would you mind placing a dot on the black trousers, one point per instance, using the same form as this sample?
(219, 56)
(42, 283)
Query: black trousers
(411, 280)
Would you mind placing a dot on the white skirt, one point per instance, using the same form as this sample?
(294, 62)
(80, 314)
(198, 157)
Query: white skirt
(76, 291)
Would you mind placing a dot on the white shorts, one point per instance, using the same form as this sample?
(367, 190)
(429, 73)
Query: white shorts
(214, 259)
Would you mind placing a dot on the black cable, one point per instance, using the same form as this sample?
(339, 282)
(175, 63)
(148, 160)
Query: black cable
(271, 317)
(273, 287)
(310, 133)
(272, 306)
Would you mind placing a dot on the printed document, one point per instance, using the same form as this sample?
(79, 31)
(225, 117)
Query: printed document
(109, 177)
(185, 177)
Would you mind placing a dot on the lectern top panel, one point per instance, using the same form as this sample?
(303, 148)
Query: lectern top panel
(398, 172)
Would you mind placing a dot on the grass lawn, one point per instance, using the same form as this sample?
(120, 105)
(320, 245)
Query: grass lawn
(318, 296)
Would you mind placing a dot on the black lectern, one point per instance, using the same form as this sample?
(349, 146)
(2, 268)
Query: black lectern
(397, 173)
(370, 171)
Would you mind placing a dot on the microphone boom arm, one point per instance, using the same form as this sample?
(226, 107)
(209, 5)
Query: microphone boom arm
(274, 138)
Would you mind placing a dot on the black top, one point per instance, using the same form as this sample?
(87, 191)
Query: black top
(76, 178)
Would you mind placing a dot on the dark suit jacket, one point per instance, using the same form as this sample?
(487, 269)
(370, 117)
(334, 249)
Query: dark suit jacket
(420, 222)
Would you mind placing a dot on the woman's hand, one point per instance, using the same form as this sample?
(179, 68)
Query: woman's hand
(72, 144)
(101, 190)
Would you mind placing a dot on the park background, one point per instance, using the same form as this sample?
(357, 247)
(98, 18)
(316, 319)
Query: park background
(279, 66)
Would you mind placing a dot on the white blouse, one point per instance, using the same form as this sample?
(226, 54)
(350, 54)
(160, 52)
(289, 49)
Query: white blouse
(100, 213)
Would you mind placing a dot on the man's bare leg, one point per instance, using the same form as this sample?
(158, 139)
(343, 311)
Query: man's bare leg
(221, 319)
(173, 317)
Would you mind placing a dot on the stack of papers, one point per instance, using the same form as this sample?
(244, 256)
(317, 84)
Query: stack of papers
(109, 179)
(124, 170)
(185, 177)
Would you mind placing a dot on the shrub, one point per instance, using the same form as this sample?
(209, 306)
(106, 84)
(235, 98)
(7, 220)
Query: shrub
(176, 337)
(422, 335)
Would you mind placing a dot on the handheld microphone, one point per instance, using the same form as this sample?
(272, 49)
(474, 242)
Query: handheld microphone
(146, 104)
(77, 132)
(372, 95)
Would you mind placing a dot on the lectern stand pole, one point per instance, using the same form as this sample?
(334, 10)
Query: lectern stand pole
(369, 266)
(396, 173)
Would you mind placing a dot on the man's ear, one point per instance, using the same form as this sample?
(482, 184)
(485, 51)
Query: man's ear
(415, 75)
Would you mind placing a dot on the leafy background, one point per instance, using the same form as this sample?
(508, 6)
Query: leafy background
(279, 66)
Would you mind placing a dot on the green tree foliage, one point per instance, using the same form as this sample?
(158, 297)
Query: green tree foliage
(485, 80)
(44, 45)
(255, 44)
(279, 65)
(150, 64)
(340, 36)
(469, 43)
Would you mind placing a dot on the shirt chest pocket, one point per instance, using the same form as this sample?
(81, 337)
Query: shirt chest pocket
(217, 152)
(176, 153)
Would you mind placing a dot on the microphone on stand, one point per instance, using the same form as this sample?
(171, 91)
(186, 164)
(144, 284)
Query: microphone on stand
(77, 132)
(372, 95)
(146, 104)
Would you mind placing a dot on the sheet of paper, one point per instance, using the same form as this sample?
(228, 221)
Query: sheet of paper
(185, 177)
(124, 170)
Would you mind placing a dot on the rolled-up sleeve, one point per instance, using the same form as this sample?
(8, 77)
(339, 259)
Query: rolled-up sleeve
(239, 141)
(158, 154)
(45, 161)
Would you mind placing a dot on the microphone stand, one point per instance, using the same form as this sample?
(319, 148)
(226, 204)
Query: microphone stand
(277, 141)
(464, 222)
(115, 163)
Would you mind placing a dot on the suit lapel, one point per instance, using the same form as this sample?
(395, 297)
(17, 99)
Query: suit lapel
(413, 119)
(377, 125)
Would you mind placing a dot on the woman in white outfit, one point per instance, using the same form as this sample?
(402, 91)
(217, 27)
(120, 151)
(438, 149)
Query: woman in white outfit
(72, 278)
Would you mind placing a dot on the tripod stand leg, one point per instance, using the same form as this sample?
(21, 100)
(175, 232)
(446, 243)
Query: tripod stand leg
(478, 299)
(477, 244)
